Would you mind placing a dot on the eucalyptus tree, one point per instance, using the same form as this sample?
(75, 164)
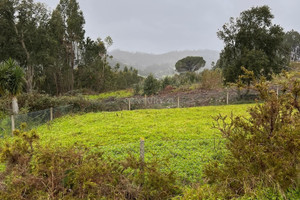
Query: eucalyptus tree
(24, 35)
(292, 40)
(11, 81)
(73, 22)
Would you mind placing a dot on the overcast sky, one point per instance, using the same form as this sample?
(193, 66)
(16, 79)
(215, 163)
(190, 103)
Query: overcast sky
(158, 26)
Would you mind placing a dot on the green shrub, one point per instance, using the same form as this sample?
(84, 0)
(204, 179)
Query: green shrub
(166, 82)
(34, 171)
(211, 79)
(263, 149)
(151, 85)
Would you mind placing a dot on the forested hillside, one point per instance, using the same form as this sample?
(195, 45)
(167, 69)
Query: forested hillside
(160, 64)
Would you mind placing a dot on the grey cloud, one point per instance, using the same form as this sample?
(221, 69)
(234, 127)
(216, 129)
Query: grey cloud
(163, 25)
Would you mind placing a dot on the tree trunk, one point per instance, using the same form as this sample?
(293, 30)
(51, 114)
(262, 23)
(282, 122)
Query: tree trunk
(72, 66)
(56, 83)
(30, 70)
(14, 104)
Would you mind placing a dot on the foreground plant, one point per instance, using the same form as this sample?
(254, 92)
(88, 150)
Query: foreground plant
(42, 172)
(264, 148)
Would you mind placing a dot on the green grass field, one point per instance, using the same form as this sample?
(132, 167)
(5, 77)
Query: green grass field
(184, 136)
(116, 94)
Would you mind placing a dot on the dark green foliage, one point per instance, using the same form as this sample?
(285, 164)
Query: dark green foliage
(151, 85)
(165, 82)
(264, 148)
(138, 88)
(34, 171)
(182, 79)
(11, 78)
(252, 41)
(190, 64)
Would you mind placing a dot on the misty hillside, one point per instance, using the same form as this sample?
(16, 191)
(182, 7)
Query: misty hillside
(159, 64)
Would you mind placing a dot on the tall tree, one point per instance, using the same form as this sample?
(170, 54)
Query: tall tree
(252, 41)
(73, 21)
(57, 71)
(190, 64)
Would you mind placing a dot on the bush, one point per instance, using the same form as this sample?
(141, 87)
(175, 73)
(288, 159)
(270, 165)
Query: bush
(264, 148)
(167, 81)
(211, 79)
(151, 85)
(34, 171)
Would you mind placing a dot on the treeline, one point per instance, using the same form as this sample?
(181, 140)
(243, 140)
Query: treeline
(207, 79)
(52, 48)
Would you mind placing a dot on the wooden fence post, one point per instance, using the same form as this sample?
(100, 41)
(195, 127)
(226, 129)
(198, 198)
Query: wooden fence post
(277, 91)
(145, 100)
(129, 105)
(12, 124)
(227, 96)
(178, 103)
(51, 114)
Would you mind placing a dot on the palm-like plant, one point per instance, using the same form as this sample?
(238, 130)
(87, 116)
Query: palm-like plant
(11, 81)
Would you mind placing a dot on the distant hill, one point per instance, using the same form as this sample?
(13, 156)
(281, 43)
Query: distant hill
(159, 64)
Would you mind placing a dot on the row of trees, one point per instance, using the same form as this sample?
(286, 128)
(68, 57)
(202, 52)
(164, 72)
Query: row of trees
(52, 49)
(57, 58)
(207, 79)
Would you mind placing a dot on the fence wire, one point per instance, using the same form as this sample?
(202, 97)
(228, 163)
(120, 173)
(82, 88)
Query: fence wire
(32, 119)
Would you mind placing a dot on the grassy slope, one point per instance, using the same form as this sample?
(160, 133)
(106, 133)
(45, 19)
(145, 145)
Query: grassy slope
(116, 94)
(183, 135)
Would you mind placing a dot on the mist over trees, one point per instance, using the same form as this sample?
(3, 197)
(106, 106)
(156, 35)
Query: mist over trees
(160, 65)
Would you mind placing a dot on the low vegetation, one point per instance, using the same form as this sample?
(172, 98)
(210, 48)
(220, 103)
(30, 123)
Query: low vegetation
(35, 171)
(184, 136)
(116, 94)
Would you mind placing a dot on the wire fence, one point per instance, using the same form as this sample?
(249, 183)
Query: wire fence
(32, 119)
(206, 98)
(180, 100)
